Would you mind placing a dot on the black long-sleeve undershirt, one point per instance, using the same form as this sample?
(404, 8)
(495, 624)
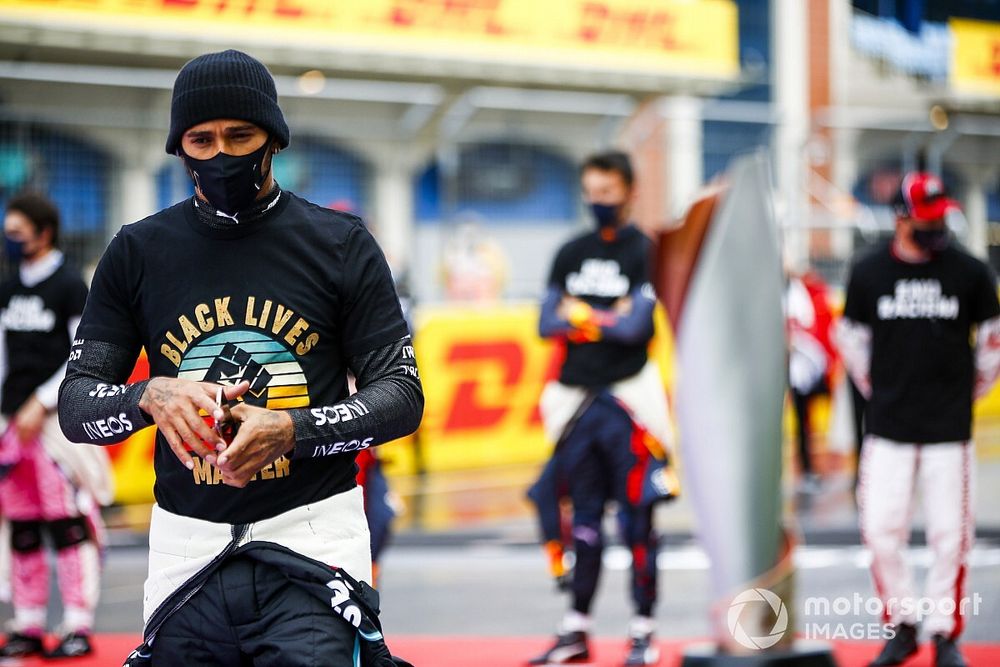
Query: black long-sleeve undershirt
(97, 407)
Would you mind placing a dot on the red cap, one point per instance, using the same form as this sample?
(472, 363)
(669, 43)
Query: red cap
(923, 197)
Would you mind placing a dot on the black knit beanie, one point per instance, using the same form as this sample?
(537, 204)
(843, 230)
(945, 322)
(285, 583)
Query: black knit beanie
(228, 84)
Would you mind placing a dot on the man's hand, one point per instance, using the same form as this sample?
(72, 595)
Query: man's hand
(263, 436)
(622, 306)
(173, 403)
(29, 419)
(585, 320)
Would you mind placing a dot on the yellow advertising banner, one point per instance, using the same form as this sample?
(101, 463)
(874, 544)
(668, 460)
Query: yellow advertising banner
(682, 37)
(483, 373)
(975, 57)
(482, 370)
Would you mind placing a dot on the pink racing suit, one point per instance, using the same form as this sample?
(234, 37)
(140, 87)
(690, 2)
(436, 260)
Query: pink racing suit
(37, 498)
(42, 494)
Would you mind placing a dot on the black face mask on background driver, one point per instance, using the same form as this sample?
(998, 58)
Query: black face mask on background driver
(932, 240)
(605, 215)
(230, 183)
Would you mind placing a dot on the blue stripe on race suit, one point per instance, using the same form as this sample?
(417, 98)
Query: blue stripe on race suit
(373, 637)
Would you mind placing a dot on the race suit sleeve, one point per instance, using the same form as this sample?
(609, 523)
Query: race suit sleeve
(550, 323)
(94, 405)
(388, 405)
(635, 326)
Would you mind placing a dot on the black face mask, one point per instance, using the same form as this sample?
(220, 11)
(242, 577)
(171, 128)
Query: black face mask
(230, 183)
(932, 240)
(606, 215)
(14, 250)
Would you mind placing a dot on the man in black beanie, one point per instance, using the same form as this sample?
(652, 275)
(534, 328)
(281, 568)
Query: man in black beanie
(253, 304)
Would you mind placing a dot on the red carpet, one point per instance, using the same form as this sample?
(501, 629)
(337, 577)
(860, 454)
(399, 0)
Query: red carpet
(512, 652)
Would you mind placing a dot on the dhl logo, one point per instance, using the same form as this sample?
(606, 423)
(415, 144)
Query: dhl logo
(286, 9)
(471, 15)
(604, 22)
(471, 408)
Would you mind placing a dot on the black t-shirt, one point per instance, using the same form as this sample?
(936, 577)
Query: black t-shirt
(600, 272)
(923, 360)
(36, 322)
(283, 302)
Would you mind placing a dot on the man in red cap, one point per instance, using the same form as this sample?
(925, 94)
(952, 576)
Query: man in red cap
(920, 337)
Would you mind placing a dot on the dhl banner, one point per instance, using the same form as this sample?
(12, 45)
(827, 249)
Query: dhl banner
(975, 57)
(683, 37)
(482, 372)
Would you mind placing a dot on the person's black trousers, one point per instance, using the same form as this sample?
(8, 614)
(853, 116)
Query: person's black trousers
(598, 464)
(248, 614)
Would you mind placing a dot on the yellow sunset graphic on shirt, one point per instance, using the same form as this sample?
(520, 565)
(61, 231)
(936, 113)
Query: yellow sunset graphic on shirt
(275, 376)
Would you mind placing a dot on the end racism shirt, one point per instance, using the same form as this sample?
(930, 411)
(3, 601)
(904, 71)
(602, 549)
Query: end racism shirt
(923, 361)
(36, 327)
(600, 273)
(282, 302)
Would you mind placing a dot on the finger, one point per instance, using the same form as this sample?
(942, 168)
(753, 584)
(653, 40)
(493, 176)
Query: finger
(191, 425)
(202, 430)
(176, 446)
(246, 468)
(238, 481)
(231, 458)
(188, 436)
(206, 401)
(240, 412)
(244, 472)
(235, 391)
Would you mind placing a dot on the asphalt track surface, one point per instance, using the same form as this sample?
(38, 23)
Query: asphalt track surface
(475, 592)
(510, 652)
(482, 603)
